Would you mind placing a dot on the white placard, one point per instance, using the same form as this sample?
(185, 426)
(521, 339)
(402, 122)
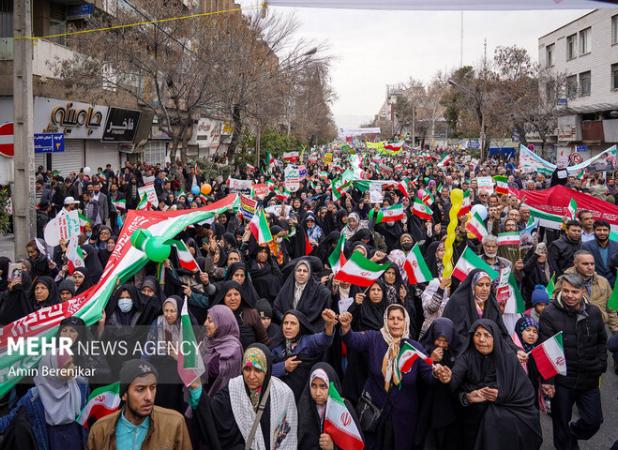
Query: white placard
(485, 184)
(64, 226)
(344, 304)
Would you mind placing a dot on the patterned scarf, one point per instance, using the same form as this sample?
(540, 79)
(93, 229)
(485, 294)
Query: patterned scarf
(390, 368)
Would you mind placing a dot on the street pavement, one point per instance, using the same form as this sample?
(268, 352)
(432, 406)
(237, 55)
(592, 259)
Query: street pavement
(605, 437)
(603, 440)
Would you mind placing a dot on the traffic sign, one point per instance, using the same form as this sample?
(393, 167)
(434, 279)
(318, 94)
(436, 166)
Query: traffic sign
(48, 142)
(6, 140)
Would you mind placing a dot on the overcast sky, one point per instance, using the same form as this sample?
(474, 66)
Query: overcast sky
(374, 48)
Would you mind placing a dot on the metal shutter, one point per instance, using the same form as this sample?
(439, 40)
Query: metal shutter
(72, 159)
(100, 154)
(154, 152)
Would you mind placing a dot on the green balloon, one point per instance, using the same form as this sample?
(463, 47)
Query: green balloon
(157, 250)
(139, 238)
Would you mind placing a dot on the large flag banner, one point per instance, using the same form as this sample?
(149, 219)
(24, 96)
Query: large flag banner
(101, 402)
(416, 268)
(530, 162)
(339, 424)
(549, 357)
(189, 364)
(468, 261)
(360, 271)
(125, 261)
(603, 162)
(545, 219)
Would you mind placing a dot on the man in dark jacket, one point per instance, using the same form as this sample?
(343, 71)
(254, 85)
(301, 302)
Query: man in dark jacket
(602, 249)
(562, 250)
(584, 340)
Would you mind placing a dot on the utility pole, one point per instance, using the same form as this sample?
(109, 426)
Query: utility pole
(24, 219)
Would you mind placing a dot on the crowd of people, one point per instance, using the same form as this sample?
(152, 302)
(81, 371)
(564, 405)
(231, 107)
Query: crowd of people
(278, 329)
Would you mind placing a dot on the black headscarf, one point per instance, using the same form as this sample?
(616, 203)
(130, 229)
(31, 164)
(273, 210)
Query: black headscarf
(461, 308)
(87, 281)
(52, 298)
(314, 299)
(225, 287)
(248, 291)
(446, 328)
(310, 424)
(4, 267)
(512, 421)
(431, 258)
(370, 315)
(305, 328)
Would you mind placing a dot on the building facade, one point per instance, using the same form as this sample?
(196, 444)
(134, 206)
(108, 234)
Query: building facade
(585, 51)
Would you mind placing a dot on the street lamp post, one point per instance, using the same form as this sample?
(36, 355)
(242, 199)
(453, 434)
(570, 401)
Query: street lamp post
(482, 134)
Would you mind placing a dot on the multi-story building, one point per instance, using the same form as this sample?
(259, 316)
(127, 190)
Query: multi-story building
(585, 51)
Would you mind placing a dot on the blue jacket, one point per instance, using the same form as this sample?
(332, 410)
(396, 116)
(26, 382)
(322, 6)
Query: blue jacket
(601, 268)
(36, 414)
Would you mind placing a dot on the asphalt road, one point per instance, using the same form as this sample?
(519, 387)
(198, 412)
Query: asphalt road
(608, 433)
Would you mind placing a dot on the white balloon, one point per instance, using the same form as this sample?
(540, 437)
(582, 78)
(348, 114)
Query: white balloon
(87, 171)
(480, 210)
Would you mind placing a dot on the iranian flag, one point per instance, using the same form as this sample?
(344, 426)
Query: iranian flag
(502, 184)
(270, 161)
(390, 214)
(466, 205)
(446, 159)
(339, 424)
(403, 187)
(259, 228)
(185, 258)
(408, 354)
(323, 175)
(336, 260)
(468, 261)
(291, 157)
(509, 238)
(476, 227)
(101, 402)
(190, 365)
(549, 357)
(416, 267)
(393, 146)
(83, 221)
(144, 204)
(572, 209)
(120, 204)
(75, 255)
(340, 187)
(545, 219)
(515, 303)
(360, 271)
(421, 210)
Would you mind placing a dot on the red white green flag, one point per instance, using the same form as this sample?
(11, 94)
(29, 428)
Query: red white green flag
(572, 209)
(291, 157)
(336, 260)
(466, 206)
(408, 354)
(549, 357)
(144, 204)
(101, 402)
(75, 255)
(120, 204)
(416, 267)
(468, 261)
(259, 228)
(185, 258)
(360, 271)
(446, 159)
(339, 424)
(403, 187)
(421, 210)
(476, 227)
(390, 214)
(83, 221)
(190, 365)
(502, 184)
(509, 238)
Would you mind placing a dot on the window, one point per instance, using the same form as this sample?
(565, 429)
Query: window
(570, 46)
(571, 86)
(585, 46)
(615, 29)
(615, 76)
(549, 55)
(6, 18)
(585, 80)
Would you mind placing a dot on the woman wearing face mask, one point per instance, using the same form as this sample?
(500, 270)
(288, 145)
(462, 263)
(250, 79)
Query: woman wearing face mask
(221, 348)
(301, 291)
(389, 390)
(312, 409)
(251, 329)
(298, 348)
(496, 397)
(438, 427)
